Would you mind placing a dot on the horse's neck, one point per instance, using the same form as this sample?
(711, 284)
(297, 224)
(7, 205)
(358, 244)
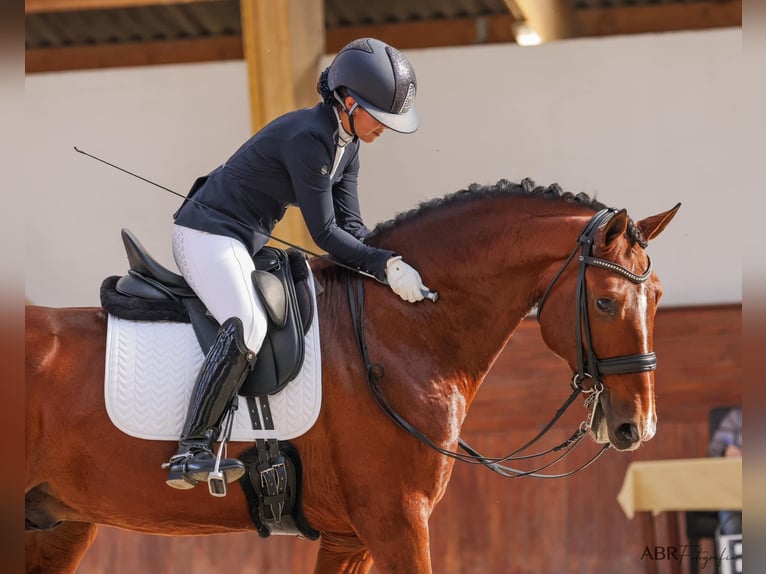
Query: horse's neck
(489, 274)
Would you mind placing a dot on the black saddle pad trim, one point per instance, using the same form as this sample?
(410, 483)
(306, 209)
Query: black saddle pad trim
(137, 309)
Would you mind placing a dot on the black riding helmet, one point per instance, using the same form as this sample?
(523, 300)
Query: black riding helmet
(381, 79)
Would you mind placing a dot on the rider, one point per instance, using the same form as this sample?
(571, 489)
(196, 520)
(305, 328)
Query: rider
(309, 158)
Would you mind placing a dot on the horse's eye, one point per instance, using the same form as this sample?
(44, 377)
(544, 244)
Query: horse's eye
(605, 305)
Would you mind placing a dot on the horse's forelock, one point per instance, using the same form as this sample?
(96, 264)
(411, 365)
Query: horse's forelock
(634, 234)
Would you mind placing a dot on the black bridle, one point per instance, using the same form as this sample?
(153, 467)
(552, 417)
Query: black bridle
(591, 366)
(623, 364)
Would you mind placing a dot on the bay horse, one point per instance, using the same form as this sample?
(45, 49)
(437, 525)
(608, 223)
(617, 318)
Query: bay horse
(493, 252)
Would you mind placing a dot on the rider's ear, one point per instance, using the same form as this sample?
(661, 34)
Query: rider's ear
(652, 226)
(615, 227)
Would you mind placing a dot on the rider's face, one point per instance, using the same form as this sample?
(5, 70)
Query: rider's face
(367, 128)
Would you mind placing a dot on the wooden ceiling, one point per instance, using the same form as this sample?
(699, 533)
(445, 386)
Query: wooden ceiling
(85, 34)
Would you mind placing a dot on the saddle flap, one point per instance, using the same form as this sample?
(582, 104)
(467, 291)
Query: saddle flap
(282, 352)
(273, 296)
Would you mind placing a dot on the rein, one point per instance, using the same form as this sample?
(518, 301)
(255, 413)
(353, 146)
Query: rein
(624, 364)
(375, 372)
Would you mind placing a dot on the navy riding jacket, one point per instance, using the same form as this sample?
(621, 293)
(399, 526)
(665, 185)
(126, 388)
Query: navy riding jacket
(288, 162)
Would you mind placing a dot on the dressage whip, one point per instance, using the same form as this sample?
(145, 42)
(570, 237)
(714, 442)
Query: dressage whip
(430, 295)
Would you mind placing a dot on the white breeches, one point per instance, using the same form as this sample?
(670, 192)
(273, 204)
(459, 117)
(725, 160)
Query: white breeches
(219, 269)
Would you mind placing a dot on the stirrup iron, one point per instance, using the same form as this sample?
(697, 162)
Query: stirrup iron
(216, 480)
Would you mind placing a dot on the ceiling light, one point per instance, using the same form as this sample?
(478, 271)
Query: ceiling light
(525, 35)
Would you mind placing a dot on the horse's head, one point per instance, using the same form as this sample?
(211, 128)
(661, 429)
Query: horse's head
(608, 296)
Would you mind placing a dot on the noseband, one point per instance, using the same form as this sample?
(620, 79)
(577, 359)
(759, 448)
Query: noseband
(588, 364)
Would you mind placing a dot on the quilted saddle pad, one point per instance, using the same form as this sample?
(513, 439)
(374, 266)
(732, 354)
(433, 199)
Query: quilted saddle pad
(151, 368)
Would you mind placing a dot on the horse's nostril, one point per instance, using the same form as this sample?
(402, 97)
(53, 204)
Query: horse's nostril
(628, 432)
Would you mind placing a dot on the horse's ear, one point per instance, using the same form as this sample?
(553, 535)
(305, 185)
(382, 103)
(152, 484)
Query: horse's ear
(652, 226)
(615, 227)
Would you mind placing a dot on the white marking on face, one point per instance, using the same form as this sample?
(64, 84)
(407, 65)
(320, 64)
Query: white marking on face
(643, 306)
(601, 435)
(643, 314)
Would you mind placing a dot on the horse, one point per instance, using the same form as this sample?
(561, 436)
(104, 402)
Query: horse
(493, 252)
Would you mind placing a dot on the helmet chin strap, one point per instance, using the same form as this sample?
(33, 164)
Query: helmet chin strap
(349, 113)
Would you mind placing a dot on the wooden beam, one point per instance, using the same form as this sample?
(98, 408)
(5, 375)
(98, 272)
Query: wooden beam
(266, 43)
(551, 19)
(267, 35)
(40, 6)
(453, 32)
(308, 45)
(555, 19)
(41, 60)
(428, 34)
(660, 18)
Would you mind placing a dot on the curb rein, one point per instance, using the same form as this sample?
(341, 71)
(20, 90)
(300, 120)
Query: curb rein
(616, 365)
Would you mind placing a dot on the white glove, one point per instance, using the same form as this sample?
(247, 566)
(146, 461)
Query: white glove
(404, 280)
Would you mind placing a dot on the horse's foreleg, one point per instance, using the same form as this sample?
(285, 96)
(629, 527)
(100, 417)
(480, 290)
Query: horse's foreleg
(342, 554)
(398, 544)
(58, 551)
(400, 550)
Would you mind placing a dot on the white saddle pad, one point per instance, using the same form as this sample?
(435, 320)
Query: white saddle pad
(151, 368)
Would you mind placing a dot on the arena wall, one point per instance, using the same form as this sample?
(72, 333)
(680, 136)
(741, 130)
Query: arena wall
(641, 122)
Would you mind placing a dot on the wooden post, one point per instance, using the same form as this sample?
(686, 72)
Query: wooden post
(282, 42)
(551, 19)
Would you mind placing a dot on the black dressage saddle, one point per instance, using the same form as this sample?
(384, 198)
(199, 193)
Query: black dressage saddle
(151, 292)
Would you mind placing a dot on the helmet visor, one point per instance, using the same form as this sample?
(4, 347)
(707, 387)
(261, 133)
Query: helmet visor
(405, 123)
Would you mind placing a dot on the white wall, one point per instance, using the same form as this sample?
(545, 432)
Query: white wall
(641, 122)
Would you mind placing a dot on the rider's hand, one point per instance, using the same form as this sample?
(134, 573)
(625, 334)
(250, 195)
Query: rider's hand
(404, 280)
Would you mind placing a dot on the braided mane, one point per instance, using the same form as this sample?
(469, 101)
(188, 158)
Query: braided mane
(476, 192)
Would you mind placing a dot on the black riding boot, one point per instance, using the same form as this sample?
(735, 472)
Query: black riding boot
(223, 371)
